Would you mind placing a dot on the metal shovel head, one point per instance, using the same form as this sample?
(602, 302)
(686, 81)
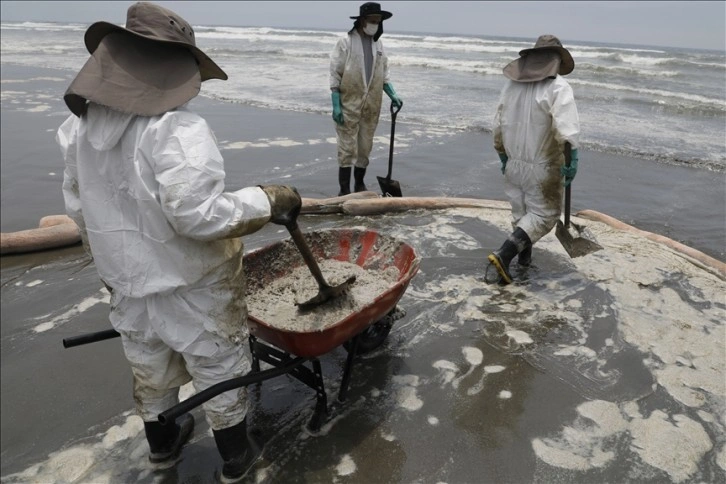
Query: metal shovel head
(576, 239)
(325, 294)
(389, 187)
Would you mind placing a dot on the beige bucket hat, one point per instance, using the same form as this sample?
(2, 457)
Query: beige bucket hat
(546, 59)
(143, 68)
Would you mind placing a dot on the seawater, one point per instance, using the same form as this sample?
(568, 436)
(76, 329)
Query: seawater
(660, 103)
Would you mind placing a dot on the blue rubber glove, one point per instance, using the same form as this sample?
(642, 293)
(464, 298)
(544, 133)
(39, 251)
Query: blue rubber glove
(570, 172)
(388, 88)
(503, 157)
(337, 108)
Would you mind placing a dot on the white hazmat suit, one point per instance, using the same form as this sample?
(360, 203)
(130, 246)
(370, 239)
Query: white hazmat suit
(166, 238)
(533, 121)
(361, 98)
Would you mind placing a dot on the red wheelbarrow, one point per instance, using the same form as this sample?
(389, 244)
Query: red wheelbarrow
(288, 351)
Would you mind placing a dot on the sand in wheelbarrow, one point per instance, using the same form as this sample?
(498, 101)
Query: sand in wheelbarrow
(274, 304)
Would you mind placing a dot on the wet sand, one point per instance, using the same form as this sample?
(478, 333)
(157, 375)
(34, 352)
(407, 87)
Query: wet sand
(608, 368)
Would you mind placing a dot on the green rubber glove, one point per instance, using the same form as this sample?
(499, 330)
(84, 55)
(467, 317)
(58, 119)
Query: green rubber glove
(388, 88)
(337, 107)
(569, 172)
(503, 157)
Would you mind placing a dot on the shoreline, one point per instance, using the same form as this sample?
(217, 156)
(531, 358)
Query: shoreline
(262, 146)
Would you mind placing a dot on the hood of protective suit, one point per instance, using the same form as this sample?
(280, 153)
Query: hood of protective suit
(106, 126)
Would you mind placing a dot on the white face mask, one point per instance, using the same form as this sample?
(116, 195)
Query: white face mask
(370, 29)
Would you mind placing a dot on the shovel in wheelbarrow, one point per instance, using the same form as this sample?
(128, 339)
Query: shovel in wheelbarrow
(391, 188)
(326, 292)
(576, 239)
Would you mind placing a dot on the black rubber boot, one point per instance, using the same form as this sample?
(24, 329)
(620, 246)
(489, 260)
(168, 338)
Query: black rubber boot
(344, 180)
(166, 441)
(359, 174)
(238, 450)
(524, 244)
(525, 257)
(515, 244)
(501, 259)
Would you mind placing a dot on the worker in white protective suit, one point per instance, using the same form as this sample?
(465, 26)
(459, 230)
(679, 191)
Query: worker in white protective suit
(535, 122)
(358, 77)
(144, 181)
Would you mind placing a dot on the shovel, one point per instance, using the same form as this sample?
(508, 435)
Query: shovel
(326, 292)
(576, 239)
(391, 188)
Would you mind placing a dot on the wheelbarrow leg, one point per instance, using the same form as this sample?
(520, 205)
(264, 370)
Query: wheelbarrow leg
(343, 392)
(321, 402)
(255, 358)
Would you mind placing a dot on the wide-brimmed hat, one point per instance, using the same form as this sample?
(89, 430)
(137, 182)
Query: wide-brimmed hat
(546, 59)
(372, 8)
(143, 68)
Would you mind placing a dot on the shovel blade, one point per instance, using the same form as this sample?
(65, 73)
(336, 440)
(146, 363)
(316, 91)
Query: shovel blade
(389, 187)
(325, 294)
(576, 239)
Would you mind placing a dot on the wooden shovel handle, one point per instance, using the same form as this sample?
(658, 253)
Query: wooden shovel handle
(307, 254)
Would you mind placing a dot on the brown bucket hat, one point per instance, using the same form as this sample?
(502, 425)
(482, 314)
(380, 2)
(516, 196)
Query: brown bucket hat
(546, 59)
(143, 68)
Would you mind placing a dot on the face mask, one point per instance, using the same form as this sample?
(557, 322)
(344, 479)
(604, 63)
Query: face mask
(370, 29)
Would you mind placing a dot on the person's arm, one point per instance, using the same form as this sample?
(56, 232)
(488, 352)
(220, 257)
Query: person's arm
(338, 58)
(67, 139)
(387, 84)
(497, 134)
(566, 121)
(386, 71)
(337, 66)
(189, 168)
(566, 124)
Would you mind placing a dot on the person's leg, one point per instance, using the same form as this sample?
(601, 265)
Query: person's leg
(518, 241)
(346, 136)
(500, 259)
(543, 199)
(366, 133)
(158, 372)
(207, 324)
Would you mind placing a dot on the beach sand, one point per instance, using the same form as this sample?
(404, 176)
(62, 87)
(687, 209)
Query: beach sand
(475, 384)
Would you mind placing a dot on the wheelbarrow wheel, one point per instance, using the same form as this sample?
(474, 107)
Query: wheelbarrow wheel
(375, 334)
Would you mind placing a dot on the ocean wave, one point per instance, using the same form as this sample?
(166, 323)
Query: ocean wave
(397, 44)
(637, 60)
(610, 49)
(625, 71)
(23, 48)
(36, 26)
(268, 53)
(255, 34)
(273, 32)
(718, 104)
(446, 64)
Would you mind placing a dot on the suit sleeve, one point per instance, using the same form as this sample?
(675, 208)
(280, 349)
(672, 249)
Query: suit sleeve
(190, 171)
(67, 139)
(566, 121)
(337, 63)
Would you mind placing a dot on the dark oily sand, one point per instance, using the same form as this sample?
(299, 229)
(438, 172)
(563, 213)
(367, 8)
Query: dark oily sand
(275, 304)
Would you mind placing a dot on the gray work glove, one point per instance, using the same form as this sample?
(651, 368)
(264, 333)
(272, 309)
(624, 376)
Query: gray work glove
(285, 203)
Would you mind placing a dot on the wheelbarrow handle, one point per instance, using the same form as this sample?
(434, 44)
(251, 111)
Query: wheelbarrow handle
(84, 339)
(207, 394)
